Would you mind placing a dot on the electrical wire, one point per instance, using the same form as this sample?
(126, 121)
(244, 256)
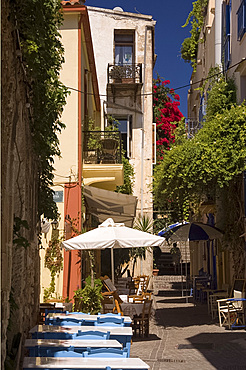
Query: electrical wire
(175, 89)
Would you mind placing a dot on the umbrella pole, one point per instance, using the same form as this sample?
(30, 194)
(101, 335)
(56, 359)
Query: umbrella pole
(112, 264)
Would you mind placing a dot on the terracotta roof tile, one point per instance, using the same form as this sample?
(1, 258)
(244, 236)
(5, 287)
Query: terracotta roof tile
(72, 2)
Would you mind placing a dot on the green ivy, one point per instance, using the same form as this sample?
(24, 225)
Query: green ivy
(54, 262)
(197, 167)
(37, 23)
(18, 239)
(127, 187)
(190, 44)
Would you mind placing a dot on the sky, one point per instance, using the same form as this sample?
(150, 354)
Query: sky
(169, 15)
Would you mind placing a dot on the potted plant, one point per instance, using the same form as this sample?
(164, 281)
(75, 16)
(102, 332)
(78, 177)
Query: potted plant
(89, 298)
(155, 270)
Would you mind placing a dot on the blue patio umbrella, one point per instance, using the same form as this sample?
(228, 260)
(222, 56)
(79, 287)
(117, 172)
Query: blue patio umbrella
(166, 231)
(193, 231)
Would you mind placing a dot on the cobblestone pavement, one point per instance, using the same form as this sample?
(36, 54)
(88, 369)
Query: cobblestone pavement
(182, 336)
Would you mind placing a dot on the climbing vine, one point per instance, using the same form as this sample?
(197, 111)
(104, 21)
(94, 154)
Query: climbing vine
(54, 262)
(190, 44)
(211, 159)
(209, 166)
(40, 52)
(166, 115)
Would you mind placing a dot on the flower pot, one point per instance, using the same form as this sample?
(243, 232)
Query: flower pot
(128, 80)
(155, 272)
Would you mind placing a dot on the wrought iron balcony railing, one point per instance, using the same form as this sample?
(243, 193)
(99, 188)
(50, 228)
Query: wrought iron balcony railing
(102, 147)
(125, 73)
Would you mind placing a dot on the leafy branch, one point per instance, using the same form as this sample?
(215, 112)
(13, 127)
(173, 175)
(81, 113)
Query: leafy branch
(37, 23)
(196, 20)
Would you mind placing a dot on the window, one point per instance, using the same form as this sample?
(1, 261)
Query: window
(241, 20)
(202, 109)
(227, 34)
(123, 48)
(124, 124)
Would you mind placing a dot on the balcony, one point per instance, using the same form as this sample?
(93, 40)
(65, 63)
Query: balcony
(125, 73)
(102, 159)
(102, 147)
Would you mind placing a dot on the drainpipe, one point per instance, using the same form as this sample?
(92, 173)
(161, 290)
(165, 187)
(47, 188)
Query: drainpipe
(79, 120)
(218, 32)
(142, 139)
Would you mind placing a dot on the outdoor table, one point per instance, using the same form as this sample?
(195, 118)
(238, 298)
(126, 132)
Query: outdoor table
(84, 363)
(88, 319)
(198, 282)
(131, 309)
(80, 345)
(121, 334)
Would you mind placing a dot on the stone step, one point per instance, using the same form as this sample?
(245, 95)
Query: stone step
(170, 285)
(169, 278)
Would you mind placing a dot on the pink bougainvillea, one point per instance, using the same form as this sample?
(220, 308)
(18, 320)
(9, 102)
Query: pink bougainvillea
(166, 115)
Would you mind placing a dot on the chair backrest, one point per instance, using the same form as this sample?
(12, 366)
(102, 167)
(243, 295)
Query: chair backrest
(146, 308)
(58, 352)
(238, 288)
(91, 335)
(106, 352)
(143, 284)
(68, 321)
(111, 314)
(109, 285)
(77, 313)
(109, 321)
(47, 311)
(107, 301)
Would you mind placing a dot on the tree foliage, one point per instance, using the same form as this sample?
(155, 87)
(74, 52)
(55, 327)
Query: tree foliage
(190, 44)
(197, 167)
(37, 23)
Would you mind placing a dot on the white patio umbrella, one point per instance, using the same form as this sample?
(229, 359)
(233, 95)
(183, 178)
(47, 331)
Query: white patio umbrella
(112, 235)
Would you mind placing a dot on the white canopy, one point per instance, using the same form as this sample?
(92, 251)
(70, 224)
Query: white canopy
(112, 235)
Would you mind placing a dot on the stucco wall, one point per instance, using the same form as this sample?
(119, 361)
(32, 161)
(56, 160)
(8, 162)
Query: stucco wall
(137, 105)
(104, 48)
(19, 266)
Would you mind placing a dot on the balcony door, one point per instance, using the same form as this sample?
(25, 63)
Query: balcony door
(124, 125)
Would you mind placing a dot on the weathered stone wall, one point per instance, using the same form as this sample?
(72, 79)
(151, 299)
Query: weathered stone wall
(20, 266)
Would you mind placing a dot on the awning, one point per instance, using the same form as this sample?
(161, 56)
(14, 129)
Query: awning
(104, 204)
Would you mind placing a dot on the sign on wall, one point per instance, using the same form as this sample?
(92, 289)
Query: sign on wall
(58, 196)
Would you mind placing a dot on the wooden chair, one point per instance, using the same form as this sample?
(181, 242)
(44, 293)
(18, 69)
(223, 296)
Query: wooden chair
(112, 292)
(141, 298)
(141, 322)
(107, 302)
(133, 286)
(143, 284)
(228, 309)
(213, 296)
